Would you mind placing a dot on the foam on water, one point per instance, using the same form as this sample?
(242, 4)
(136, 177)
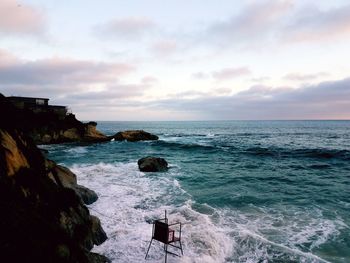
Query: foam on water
(77, 150)
(279, 234)
(129, 200)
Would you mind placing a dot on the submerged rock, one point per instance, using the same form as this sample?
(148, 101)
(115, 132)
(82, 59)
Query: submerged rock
(134, 136)
(152, 164)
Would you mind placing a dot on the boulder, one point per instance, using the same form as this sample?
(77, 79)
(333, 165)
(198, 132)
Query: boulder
(152, 164)
(99, 235)
(63, 176)
(134, 136)
(87, 195)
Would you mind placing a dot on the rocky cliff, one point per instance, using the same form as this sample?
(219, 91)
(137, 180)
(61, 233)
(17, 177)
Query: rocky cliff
(48, 127)
(43, 217)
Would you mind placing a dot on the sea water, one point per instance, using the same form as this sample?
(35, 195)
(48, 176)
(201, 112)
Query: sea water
(245, 191)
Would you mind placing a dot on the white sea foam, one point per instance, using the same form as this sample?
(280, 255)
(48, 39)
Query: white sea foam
(77, 150)
(267, 234)
(129, 200)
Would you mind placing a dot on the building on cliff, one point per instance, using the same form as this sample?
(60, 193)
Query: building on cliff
(38, 105)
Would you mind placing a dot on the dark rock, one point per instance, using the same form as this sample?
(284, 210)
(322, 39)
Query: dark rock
(87, 195)
(41, 220)
(134, 136)
(63, 176)
(50, 127)
(152, 164)
(96, 258)
(99, 235)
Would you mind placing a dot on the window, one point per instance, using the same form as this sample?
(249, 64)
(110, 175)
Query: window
(40, 102)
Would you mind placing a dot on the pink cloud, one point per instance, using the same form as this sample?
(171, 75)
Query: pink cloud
(7, 58)
(229, 73)
(318, 25)
(58, 75)
(257, 20)
(16, 17)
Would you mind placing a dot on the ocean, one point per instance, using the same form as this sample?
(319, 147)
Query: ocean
(245, 191)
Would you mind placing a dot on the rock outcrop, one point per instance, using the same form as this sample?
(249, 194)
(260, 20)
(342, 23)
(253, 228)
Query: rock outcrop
(69, 180)
(134, 136)
(42, 220)
(48, 127)
(152, 164)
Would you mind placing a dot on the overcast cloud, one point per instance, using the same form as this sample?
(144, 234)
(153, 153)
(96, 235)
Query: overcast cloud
(327, 100)
(146, 60)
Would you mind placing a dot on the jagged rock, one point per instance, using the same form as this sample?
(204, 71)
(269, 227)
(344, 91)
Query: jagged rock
(41, 220)
(87, 195)
(99, 235)
(63, 176)
(134, 136)
(92, 134)
(152, 164)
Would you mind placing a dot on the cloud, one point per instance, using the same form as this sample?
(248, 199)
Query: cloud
(200, 75)
(260, 79)
(313, 24)
(59, 76)
(230, 73)
(327, 100)
(266, 22)
(305, 77)
(7, 58)
(254, 21)
(127, 27)
(165, 47)
(149, 80)
(18, 18)
(60, 71)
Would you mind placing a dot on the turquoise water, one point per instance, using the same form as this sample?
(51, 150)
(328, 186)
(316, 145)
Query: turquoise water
(247, 191)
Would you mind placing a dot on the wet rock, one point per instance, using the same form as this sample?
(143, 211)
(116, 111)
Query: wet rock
(87, 195)
(152, 164)
(134, 136)
(99, 235)
(63, 176)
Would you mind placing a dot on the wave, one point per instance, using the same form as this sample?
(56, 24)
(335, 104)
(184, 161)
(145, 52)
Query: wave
(184, 146)
(129, 200)
(319, 153)
(275, 152)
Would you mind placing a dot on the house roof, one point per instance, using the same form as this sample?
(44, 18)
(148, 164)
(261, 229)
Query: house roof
(21, 98)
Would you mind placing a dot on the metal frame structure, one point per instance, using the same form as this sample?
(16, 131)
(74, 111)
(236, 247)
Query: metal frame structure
(162, 232)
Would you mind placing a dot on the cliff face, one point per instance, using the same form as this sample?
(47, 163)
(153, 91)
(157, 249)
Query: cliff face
(48, 127)
(42, 218)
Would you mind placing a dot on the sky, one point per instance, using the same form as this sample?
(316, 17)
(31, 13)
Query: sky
(145, 60)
